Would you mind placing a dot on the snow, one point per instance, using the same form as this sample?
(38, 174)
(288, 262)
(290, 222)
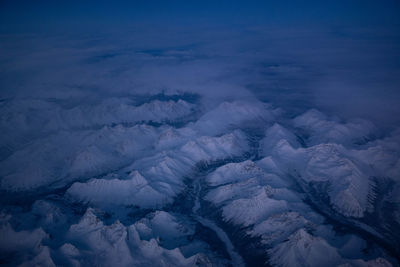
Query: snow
(42, 259)
(303, 249)
(247, 197)
(231, 115)
(234, 172)
(135, 191)
(12, 241)
(165, 226)
(114, 244)
(278, 227)
(378, 262)
(154, 181)
(273, 135)
(349, 186)
(321, 129)
(124, 163)
(214, 148)
(236, 258)
(64, 157)
(248, 211)
(382, 155)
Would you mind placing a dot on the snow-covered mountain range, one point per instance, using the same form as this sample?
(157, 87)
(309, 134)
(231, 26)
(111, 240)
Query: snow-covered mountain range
(164, 181)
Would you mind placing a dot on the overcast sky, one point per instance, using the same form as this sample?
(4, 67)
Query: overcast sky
(341, 56)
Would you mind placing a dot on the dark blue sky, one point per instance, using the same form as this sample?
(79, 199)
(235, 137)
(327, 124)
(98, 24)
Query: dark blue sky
(19, 15)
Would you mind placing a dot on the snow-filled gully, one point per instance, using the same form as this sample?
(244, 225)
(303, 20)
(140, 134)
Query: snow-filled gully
(237, 260)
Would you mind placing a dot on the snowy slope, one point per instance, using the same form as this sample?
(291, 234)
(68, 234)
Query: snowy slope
(164, 182)
(320, 129)
(338, 175)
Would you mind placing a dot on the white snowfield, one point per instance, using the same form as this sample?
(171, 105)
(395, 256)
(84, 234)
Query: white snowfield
(248, 193)
(278, 216)
(130, 245)
(302, 249)
(154, 181)
(69, 155)
(349, 189)
(123, 182)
